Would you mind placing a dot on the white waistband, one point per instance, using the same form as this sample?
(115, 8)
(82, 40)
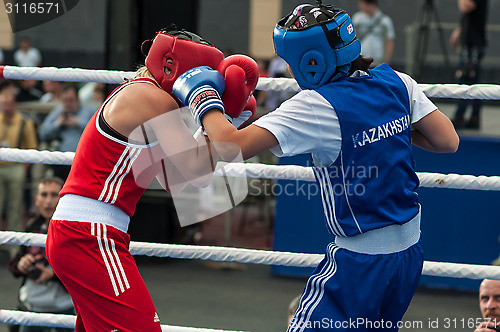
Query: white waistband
(387, 240)
(79, 208)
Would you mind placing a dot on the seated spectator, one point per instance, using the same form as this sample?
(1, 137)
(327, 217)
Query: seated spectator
(99, 94)
(277, 68)
(489, 304)
(41, 290)
(7, 84)
(260, 95)
(27, 91)
(65, 123)
(15, 132)
(51, 91)
(27, 55)
(92, 94)
(292, 307)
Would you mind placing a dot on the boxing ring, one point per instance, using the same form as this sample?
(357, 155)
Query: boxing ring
(249, 170)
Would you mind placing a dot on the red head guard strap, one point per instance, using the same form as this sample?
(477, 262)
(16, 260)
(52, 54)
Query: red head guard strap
(171, 54)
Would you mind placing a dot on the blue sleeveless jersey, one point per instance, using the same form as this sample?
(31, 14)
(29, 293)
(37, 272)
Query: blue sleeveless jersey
(372, 183)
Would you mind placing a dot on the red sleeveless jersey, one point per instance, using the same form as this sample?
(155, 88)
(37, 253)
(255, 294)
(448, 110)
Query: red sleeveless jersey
(111, 170)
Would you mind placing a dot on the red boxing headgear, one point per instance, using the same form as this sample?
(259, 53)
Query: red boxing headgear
(172, 53)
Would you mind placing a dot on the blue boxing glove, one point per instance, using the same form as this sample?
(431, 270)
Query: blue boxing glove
(200, 89)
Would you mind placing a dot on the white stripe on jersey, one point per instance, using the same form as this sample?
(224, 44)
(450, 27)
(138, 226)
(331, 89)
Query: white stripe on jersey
(118, 174)
(345, 191)
(120, 170)
(328, 200)
(119, 184)
(332, 195)
(110, 176)
(326, 206)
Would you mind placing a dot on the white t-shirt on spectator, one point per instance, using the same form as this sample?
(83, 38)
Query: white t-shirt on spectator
(30, 58)
(373, 33)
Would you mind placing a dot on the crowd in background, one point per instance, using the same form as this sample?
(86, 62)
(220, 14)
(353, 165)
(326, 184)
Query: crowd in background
(38, 115)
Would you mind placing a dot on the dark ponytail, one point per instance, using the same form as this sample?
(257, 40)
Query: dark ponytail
(361, 63)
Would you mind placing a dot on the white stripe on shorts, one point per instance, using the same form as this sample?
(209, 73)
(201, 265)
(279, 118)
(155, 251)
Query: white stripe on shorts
(316, 287)
(111, 259)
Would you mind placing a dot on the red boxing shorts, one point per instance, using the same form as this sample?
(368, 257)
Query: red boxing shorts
(94, 263)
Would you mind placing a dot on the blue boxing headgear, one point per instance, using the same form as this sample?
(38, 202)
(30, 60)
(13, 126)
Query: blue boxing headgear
(318, 43)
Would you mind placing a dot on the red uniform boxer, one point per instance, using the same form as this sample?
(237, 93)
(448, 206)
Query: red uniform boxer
(87, 242)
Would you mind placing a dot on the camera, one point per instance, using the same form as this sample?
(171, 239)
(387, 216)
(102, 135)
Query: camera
(65, 114)
(34, 272)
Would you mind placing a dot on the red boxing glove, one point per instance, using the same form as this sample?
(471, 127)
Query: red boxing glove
(241, 74)
(246, 115)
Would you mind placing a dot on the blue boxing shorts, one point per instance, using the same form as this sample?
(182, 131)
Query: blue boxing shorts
(356, 288)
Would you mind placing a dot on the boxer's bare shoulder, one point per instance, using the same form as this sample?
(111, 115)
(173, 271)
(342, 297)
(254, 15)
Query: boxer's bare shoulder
(136, 104)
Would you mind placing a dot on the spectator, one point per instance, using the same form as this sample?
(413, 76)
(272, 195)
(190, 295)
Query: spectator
(92, 94)
(260, 95)
(65, 123)
(470, 39)
(277, 68)
(292, 307)
(375, 31)
(27, 55)
(27, 91)
(8, 84)
(41, 290)
(51, 91)
(99, 94)
(15, 132)
(228, 51)
(489, 303)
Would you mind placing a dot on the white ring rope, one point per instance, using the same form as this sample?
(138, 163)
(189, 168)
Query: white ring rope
(456, 181)
(283, 172)
(16, 317)
(65, 74)
(293, 172)
(224, 254)
(461, 91)
(457, 91)
(36, 156)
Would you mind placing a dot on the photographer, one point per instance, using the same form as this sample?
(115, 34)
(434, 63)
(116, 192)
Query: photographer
(41, 290)
(489, 303)
(65, 123)
(470, 39)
